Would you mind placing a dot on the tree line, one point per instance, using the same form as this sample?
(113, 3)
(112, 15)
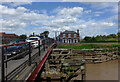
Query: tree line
(23, 36)
(102, 38)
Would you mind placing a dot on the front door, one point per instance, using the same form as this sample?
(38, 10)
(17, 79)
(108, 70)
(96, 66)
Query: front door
(69, 41)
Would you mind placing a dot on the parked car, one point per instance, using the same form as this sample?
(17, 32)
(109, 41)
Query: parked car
(41, 37)
(16, 49)
(34, 39)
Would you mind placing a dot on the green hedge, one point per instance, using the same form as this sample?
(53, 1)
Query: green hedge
(88, 46)
(98, 41)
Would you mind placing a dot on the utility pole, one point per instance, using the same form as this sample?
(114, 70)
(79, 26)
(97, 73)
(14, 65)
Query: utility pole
(55, 35)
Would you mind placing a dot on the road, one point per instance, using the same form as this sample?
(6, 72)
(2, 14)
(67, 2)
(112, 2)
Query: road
(11, 65)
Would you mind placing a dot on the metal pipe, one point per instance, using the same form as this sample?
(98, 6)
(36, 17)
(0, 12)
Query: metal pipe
(2, 66)
(39, 47)
(29, 54)
(44, 45)
(6, 63)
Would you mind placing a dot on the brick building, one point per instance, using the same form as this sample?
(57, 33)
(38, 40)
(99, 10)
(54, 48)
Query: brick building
(69, 37)
(8, 37)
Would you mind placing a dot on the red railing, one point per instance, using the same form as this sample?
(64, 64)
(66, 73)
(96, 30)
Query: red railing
(45, 42)
(38, 68)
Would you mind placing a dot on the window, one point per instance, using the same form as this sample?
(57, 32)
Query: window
(63, 35)
(69, 35)
(33, 39)
(69, 41)
(64, 41)
(74, 35)
(75, 41)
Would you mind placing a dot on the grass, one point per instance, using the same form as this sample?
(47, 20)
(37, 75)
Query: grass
(88, 46)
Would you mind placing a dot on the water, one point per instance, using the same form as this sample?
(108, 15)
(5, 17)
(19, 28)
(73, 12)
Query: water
(102, 71)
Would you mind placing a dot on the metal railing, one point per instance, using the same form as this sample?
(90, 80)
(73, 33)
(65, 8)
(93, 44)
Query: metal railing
(30, 57)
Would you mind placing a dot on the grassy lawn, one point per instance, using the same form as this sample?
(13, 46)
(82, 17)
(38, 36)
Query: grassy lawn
(88, 46)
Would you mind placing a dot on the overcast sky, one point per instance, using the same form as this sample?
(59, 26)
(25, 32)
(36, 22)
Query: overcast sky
(90, 18)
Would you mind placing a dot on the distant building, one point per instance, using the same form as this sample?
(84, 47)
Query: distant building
(69, 37)
(8, 37)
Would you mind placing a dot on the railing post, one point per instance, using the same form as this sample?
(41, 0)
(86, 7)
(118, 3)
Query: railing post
(29, 54)
(44, 44)
(6, 63)
(49, 42)
(2, 65)
(39, 46)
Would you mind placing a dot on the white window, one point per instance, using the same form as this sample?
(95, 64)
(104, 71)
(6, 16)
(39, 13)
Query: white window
(63, 35)
(75, 41)
(74, 35)
(63, 41)
(69, 40)
(69, 35)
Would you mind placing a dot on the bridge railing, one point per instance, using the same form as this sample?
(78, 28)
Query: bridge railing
(13, 65)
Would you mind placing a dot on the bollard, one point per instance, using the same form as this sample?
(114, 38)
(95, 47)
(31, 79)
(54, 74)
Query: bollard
(39, 47)
(29, 54)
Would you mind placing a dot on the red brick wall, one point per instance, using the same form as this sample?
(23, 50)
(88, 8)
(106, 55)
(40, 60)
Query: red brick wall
(72, 36)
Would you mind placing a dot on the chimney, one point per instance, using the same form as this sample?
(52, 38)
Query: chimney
(77, 31)
(33, 33)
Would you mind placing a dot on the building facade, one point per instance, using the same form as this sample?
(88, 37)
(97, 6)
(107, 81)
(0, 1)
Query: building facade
(8, 37)
(69, 37)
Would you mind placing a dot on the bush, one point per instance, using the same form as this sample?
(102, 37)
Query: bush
(88, 46)
(112, 39)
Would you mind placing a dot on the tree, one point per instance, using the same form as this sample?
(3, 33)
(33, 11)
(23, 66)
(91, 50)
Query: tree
(22, 36)
(93, 39)
(98, 38)
(87, 38)
(45, 33)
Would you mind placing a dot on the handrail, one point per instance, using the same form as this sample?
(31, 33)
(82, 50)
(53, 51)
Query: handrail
(21, 43)
(38, 68)
(45, 42)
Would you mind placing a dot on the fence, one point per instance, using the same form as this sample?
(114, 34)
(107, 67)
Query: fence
(12, 65)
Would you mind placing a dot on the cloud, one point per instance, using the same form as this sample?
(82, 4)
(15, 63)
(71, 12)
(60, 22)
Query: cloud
(75, 11)
(105, 7)
(14, 4)
(63, 19)
(97, 15)
(6, 11)
(12, 12)
(88, 11)
(16, 1)
(12, 25)
(99, 12)
(108, 24)
(90, 0)
(19, 18)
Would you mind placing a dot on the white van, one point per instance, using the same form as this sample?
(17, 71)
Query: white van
(35, 43)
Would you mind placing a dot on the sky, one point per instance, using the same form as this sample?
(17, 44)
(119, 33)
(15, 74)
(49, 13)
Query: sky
(91, 18)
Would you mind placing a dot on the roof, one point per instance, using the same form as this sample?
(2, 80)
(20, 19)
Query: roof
(4, 34)
(69, 32)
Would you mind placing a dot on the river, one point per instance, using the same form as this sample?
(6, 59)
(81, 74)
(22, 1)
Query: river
(102, 71)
